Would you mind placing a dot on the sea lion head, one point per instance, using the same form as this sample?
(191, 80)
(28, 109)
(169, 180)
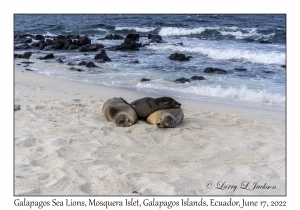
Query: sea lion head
(165, 122)
(168, 103)
(123, 121)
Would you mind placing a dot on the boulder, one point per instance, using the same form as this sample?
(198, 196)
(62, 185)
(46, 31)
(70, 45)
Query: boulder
(178, 57)
(82, 63)
(39, 37)
(102, 56)
(182, 80)
(49, 41)
(128, 44)
(145, 80)
(133, 37)
(26, 55)
(84, 40)
(114, 37)
(215, 70)
(90, 47)
(43, 45)
(73, 47)
(67, 44)
(91, 65)
(17, 55)
(155, 38)
(59, 42)
(48, 56)
(197, 78)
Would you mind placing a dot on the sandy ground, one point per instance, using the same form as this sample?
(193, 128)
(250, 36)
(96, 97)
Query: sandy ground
(63, 145)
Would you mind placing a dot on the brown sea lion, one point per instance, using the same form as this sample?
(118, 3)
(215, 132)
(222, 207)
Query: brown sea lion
(166, 118)
(118, 110)
(145, 106)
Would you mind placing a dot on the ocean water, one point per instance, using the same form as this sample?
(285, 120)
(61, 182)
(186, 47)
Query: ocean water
(222, 41)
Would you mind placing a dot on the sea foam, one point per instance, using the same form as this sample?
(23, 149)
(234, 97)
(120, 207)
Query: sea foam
(216, 91)
(137, 29)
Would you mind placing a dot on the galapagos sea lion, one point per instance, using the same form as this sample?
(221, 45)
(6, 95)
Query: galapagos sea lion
(166, 118)
(145, 106)
(119, 111)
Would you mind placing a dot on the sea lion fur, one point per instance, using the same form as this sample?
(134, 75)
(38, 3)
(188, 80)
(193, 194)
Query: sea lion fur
(119, 111)
(146, 106)
(166, 118)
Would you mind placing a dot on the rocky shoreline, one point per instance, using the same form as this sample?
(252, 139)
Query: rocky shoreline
(84, 44)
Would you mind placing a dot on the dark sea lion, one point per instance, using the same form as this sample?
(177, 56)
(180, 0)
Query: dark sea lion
(119, 111)
(166, 118)
(145, 106)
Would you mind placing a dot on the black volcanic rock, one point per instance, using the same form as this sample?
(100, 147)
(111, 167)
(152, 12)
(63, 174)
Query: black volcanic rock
(90, 47)
(73, 47)
(102, 56)
(240, 69)
(215, 70)
(17, 55)
(48, 56)
(182, 80)
(129, 44)
(82, 63)
(197, 78)
(133, 37)
(49, 42)
(178, 57)
(67, 44)
(39, 37)
(90, 64)
(265, 42)
(155, 38)
(84, 40)
(26, 55)
(114, 37)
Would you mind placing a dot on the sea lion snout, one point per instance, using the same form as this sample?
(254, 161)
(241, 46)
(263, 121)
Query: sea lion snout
(166, 118)
(177, 105)
(165, 122)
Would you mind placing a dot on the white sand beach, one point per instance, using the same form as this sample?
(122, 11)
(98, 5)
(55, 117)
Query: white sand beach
(64, 145)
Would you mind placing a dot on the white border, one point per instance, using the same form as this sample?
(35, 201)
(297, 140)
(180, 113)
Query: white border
(8, 8)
